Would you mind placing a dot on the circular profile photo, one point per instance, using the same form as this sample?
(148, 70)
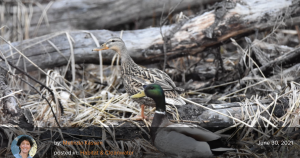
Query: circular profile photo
(23, 146)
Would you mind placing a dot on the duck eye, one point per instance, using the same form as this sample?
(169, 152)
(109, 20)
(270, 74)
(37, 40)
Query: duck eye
(112, 40)
(151, 87)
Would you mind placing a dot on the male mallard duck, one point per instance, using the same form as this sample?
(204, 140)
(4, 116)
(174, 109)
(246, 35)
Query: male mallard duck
(134, 76)
(181, 140)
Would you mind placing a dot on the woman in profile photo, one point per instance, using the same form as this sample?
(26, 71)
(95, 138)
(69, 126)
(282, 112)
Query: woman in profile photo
(24, 143)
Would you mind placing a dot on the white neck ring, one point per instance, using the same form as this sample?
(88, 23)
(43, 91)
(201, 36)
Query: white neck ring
(160, 112)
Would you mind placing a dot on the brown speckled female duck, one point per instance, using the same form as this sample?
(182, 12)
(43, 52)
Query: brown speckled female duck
(134, 76)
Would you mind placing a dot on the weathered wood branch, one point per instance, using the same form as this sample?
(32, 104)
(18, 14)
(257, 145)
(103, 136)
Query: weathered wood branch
(68, 15)
(187, 37)
(288, 58)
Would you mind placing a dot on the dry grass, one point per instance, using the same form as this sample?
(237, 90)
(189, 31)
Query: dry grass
(87, 103)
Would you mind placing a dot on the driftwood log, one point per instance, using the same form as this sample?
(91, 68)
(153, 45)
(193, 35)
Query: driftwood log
(45, 17)
(188, 37)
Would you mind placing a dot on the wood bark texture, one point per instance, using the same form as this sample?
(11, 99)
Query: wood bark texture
(187, 37)
(38, 18)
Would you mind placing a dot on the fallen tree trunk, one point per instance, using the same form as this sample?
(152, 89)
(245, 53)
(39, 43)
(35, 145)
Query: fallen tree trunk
(54, 16)
(146, 46)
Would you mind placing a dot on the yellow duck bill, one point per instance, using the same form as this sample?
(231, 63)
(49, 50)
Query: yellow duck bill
(139, 95)
(103, 47)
